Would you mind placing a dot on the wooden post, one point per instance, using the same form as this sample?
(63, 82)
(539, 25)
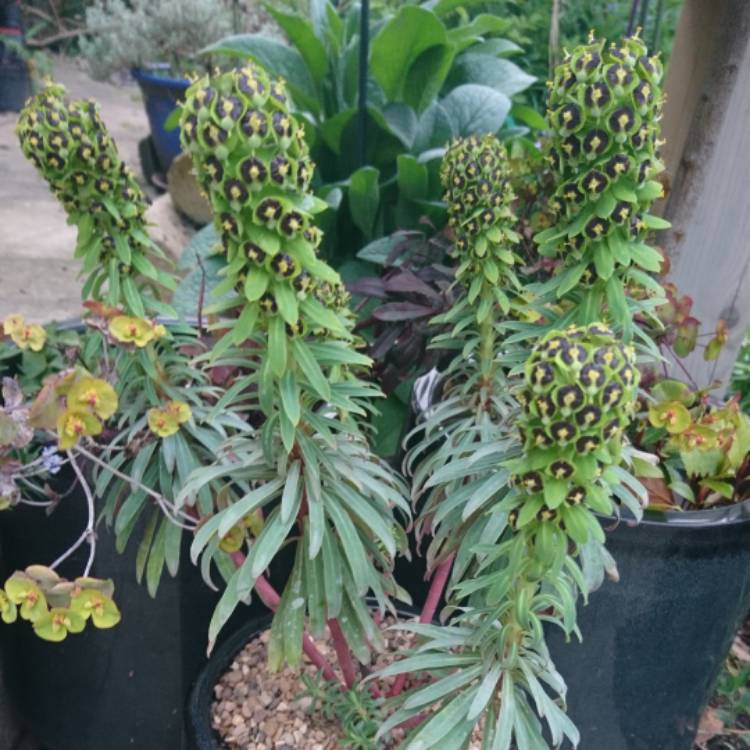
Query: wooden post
(707, 127)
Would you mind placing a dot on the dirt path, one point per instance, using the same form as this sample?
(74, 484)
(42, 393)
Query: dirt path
(38, 275)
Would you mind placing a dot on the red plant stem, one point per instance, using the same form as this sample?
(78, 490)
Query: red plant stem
(270, 597)
(343, 652)
(437, 587)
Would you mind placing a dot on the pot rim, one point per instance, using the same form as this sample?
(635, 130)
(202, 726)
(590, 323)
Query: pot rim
(726, 515)
(200, 698)
(150, 74)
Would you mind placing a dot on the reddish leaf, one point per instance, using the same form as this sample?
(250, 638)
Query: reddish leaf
(395, 311)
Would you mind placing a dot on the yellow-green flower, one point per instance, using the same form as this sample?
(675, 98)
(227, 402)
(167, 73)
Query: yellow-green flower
(672, 416)
(233, 540)
(58, 622)
(162, 423)
(167, 420)
(22, 591)
(130, 330)
(73, 424)
(13, 323)
(8, 609)
(31, 336)
(96, 605)
(159, 331)
(94, 394)
(179, 410)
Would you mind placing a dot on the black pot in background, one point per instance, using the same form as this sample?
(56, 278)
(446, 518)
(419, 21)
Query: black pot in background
(121, 688)
(654, 643)
(161, 93)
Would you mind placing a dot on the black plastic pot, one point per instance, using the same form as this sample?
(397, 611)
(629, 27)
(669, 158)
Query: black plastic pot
(654, 642)
(120, 688)
(200, 732)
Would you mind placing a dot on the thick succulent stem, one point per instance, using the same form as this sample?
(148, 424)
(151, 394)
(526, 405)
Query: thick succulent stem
(438, 582)
(343, 653)
(270, 597)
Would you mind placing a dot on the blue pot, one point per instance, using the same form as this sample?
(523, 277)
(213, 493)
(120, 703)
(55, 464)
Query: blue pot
(161, 95)
(15, 78)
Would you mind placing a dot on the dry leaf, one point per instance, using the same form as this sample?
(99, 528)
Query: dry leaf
(710, 726)
(740, 650)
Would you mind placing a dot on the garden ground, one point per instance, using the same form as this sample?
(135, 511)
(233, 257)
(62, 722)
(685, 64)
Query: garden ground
(39, 273)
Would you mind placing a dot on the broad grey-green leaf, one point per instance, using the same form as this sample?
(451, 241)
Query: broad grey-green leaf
(275, 56)
(398, 44)
(474, 108)
(364, 198)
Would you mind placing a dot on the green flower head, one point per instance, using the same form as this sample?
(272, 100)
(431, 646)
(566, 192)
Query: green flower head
(252, 159)
(578, 396)
(604, 106)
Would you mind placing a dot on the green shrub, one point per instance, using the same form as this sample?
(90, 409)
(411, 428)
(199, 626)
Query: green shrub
(427, 83)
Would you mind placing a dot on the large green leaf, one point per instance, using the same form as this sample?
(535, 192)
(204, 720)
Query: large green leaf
(203, 267)
(401, 120)
(398, 47)
(496, 48)
(434, 129)
(301, 34)
(278, 58)
(502, 75)
(333, 128)
(446, 7)
(412, 177)
(427, 75)
(364, 198)
(476, 109)
(465, 35)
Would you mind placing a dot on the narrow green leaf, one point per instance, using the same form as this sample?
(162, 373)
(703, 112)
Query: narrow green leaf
(290, 396)
(310, 368)
(292, 495)
(277, 349)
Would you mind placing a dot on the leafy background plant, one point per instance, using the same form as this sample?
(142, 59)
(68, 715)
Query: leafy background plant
(428, 80)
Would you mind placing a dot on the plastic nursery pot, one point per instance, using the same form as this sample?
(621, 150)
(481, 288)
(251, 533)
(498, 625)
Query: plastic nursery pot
(160, 96)
(653, 644)
(119, 688)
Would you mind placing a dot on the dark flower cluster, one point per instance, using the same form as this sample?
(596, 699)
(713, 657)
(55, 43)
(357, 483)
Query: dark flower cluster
(579, 395)
(475, 174)
(604, 108)
(69, 144)
(254, 165)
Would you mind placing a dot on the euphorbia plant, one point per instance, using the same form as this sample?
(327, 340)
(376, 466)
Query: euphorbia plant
(524, 552)
(303, 467)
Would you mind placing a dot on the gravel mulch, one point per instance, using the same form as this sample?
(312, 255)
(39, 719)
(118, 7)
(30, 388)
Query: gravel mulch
(256, 710)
